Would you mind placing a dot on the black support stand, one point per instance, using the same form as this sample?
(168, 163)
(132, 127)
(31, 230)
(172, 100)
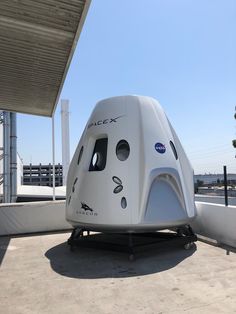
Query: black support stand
(131, 242)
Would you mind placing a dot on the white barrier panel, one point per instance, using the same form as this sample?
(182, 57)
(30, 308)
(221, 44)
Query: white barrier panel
(214, 199)
(32, 217)
(213, 220)
(217, 222)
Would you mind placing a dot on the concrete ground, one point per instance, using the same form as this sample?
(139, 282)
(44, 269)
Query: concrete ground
(38, 274)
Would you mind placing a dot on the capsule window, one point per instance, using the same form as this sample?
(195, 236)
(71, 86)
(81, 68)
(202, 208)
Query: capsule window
(174, 150)
(99, 157)
(80, 155)
(122, 150)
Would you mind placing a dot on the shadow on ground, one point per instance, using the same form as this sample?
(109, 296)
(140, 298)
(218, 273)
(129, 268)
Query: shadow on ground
(4, 242)
(91, 263)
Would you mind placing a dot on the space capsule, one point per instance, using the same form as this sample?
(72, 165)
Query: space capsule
(129, 172)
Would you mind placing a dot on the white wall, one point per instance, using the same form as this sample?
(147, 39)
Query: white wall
(32, 217)
(217, 222)
(213, 220)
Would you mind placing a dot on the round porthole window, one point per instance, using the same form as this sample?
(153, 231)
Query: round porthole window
(80, 155)
(122, 150)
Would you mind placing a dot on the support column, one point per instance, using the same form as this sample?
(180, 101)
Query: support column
(6, 160)
(65, 138)
(53, 159)
(13, 157)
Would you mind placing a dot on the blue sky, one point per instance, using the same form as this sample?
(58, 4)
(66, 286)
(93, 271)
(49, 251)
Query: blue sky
(181, 52)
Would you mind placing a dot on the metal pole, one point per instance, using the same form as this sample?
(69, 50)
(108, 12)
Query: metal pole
(226, 186)
(53, 159)
(1, 155)
(6, 161)
(13, 158)
(65, 138)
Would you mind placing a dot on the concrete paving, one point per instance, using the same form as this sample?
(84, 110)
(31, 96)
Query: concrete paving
(39, 274)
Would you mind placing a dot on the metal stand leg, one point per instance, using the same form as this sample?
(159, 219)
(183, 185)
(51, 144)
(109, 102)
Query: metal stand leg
(131, 248)
(186, 231)
(76, 233)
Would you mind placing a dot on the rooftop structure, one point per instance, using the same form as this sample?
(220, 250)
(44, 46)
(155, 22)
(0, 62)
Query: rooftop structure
(35, 193)
(37, 42)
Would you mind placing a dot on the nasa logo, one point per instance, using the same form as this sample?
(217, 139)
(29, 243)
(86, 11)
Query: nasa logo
(160, 148)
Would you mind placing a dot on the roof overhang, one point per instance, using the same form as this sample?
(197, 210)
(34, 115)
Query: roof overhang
(37, 42)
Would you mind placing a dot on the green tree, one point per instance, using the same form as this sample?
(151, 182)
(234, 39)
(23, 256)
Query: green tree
(234, 141)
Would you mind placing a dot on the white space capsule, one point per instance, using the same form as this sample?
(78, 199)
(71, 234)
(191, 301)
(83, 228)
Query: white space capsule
(129, 172)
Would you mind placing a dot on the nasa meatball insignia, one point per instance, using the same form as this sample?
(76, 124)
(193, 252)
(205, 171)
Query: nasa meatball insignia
(160, 148)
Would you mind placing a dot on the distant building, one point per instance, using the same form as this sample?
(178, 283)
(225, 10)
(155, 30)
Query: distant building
(42, 175)
(214, 178)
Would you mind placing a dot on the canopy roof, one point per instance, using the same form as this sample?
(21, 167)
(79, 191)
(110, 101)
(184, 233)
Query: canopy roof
(37, 41)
